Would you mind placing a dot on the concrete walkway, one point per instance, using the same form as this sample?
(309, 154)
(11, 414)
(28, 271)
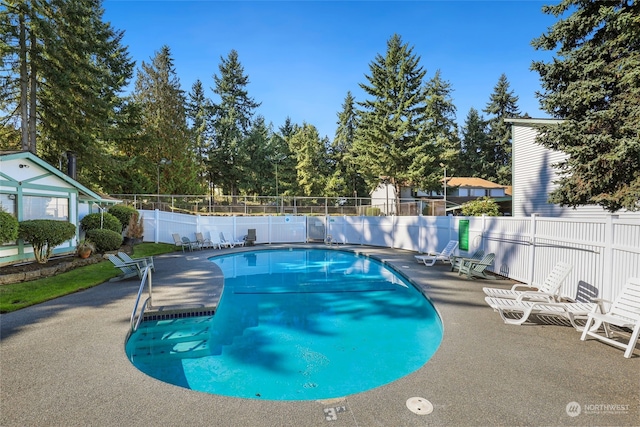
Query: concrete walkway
(62, 363)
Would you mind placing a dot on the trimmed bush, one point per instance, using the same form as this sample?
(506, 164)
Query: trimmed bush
(123, 213)
(8, 227)
(109, 222)
(479, 207)
(44, 235)
(371, 211)
(105, 240)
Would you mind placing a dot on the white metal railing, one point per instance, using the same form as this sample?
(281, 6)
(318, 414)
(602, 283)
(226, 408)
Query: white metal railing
(604, 251)
(136, 317)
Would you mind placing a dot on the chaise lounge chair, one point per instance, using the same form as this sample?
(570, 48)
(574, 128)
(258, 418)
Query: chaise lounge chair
(142, 262)
(184, 242)
(430, 258)
(128, 269)
(548, 291)
(230, 243)
(476, 268)
(624, 312)
(206, 243)
(568, 310)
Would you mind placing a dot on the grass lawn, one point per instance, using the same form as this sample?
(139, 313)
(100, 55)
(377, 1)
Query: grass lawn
(19, 295)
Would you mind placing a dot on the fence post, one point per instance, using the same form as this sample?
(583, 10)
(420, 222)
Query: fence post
(532, 250)
(156, 218)
(607, 258)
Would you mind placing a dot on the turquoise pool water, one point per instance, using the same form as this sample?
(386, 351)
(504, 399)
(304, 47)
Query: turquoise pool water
(295, 325)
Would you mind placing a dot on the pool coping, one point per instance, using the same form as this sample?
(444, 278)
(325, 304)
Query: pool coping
(63, 363)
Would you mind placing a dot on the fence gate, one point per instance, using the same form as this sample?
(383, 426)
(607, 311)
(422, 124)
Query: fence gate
(315, 229)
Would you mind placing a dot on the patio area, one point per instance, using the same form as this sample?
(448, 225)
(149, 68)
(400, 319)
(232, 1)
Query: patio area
(63, 363)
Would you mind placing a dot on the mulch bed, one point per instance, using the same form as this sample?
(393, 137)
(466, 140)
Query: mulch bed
(24, 272)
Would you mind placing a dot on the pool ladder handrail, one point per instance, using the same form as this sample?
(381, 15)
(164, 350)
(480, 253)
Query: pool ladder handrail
(148, 303)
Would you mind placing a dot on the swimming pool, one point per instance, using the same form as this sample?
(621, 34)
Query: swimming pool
(295, 324)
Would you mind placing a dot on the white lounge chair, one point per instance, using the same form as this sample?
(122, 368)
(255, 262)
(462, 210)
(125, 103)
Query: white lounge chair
(430, 259)
(142, 262)
(624, 312)
(477, 268)
(548, 291)
(568, 310)
(231, 243)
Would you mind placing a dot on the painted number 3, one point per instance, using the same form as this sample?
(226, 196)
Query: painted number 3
(331, 414)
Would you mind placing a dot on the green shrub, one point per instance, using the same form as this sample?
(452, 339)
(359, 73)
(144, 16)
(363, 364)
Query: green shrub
(479, 207)
(108, 221)
(372, 212)
(44, 235)
(123, 213)
(105, 240)
(8, 227)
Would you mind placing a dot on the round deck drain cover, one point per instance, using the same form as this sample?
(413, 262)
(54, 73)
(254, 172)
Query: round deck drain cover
(419, 405)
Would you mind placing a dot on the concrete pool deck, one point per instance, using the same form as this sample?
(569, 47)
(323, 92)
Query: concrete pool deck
(62, 363)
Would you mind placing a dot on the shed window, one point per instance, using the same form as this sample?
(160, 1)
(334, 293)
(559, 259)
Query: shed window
(38, 207)
(8, 203)
(496, 192)
(463, 192)
(478, 192)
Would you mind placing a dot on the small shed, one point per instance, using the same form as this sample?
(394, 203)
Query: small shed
(31, 188)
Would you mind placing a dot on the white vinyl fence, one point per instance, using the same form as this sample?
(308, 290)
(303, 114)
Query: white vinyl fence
(604, 251)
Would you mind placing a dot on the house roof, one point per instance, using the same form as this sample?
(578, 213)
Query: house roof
(83, 191)
(456, 181)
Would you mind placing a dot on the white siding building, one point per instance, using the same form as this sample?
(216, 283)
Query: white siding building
(533, 175)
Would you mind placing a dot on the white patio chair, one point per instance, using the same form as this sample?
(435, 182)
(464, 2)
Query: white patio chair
(548, 291)
(624, 313)
(430, 259)
(568, 310)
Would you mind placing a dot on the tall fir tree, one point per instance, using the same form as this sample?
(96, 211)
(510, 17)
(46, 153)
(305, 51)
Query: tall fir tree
(502, 104)
(594, 86)
(283, 160)
(476, 154)
(200, 118)
(345, 180)
(311, 160)
(66, 68)
(391, 141)
(168, 146)
(442, 127)
(233, 119)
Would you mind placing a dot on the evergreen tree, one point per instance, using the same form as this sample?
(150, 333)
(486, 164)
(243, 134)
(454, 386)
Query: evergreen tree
(391, 140)
(442, 128)
(594, 86)
(199, 115)
(254, 163)
(345, 181)
(168, 148)
(233, 119)
(311, 160)
(283, 161)
(476, 155)
(65, 68)
(502, 105)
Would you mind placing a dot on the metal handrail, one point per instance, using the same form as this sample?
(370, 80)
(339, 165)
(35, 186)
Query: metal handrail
(146, 274)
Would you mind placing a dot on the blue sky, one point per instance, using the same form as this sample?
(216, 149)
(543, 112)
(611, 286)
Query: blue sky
(303, 56)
